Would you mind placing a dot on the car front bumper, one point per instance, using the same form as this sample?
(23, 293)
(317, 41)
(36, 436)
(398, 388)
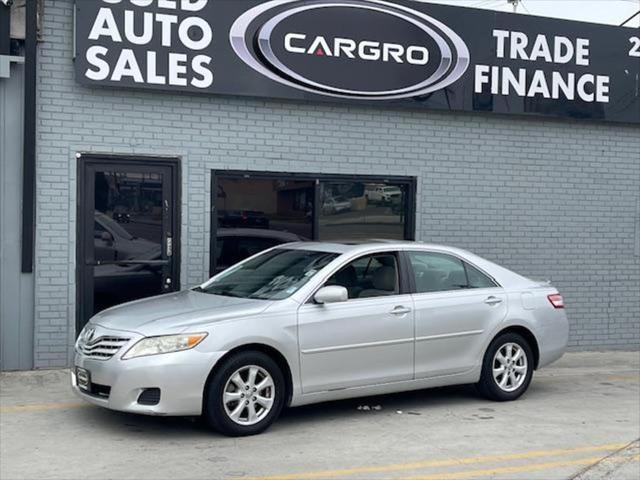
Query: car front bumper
(180, 376)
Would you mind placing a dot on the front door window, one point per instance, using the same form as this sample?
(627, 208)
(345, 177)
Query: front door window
(369, 276)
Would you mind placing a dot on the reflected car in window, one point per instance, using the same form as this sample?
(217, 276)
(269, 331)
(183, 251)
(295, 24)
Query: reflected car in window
(243, 218)
(310, 322)
(383, 194)
(333, 205)
(235, 244)
(112, 241)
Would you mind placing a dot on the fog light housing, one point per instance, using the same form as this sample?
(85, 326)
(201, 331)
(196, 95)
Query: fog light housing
(149, 396)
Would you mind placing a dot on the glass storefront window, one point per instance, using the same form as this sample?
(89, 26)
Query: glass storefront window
(254, 214)
(256, 211)
(358, 210)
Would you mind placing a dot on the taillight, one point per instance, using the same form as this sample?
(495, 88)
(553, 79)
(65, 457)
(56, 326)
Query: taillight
(556, 300)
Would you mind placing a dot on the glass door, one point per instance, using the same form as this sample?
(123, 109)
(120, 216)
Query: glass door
(127, 234)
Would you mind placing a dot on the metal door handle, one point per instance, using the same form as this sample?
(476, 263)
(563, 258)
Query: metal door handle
(400, 310)
(492, 301)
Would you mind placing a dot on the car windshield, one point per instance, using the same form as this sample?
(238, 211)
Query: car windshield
(274, 275)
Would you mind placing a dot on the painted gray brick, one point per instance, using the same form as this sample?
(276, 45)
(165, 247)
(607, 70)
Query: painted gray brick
(549, 199)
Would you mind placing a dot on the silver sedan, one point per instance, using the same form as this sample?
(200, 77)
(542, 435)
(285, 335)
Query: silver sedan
(310, 322)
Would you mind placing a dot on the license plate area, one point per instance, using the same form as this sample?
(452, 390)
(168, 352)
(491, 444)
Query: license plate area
(83, 379)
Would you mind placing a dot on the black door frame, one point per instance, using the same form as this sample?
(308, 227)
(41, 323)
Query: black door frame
(410, 207)
(87, 161)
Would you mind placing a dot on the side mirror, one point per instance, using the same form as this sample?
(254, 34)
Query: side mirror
(331, 294)
(106, 237)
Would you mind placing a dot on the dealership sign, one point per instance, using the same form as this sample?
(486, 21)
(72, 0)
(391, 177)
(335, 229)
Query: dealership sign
(402, 53)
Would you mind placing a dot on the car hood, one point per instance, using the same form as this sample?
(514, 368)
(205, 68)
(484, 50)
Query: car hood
(177, 312)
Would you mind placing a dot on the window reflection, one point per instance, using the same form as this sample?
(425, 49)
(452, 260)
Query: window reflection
(255, 214)
(354, 210)
(127, 227)
(258, 212)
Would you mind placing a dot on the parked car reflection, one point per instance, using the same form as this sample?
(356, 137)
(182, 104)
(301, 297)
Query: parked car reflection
(235, 244)
(120, 282)
(243, 218)
(126, 267)
(334, 205)
(113, 242)
(386, 194)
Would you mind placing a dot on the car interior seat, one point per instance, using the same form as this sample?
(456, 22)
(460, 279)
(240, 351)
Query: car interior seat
(385, 282)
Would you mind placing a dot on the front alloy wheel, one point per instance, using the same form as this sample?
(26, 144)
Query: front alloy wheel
(507, 368)
(249, 395)
(245, 394)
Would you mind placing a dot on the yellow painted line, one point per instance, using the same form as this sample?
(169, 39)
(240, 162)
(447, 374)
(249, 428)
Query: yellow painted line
(441, 463)
(532, 467)
(41, 407)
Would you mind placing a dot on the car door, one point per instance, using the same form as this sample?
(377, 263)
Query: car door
(456, 305)
(365, 340)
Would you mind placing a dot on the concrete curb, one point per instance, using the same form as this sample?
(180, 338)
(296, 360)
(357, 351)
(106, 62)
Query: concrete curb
(621, 465)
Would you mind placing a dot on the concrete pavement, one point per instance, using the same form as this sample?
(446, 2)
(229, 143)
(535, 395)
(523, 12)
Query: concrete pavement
(580, 419)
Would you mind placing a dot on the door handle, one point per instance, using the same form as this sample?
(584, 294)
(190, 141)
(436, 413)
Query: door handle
(400, 310)
(492, 301)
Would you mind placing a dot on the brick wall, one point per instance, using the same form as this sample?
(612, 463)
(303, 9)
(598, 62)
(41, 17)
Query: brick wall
(550, 199)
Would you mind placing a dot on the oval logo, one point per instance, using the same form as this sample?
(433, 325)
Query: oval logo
(367, 49)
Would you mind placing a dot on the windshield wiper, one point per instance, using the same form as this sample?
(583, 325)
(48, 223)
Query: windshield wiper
(225, 293)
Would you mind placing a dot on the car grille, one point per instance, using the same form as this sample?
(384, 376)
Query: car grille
(103, 348)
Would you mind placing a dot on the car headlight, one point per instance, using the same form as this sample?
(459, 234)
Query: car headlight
(164, 344)
(84, 334)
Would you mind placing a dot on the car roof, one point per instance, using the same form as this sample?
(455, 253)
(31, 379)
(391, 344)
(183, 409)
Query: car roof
(356, 245)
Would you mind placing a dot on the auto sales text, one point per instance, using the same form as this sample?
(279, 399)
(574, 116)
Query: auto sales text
(172, 23)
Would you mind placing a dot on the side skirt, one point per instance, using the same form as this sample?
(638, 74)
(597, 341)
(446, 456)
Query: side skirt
(471, 376)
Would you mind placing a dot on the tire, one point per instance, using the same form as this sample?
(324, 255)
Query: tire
(490, 384)
(225, 413)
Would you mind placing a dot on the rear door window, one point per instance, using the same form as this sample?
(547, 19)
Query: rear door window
(438, 272)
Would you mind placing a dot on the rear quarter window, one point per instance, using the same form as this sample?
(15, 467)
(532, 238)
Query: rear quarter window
(477, 279)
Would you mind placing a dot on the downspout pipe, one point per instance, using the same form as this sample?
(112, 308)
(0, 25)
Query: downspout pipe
(29, 135)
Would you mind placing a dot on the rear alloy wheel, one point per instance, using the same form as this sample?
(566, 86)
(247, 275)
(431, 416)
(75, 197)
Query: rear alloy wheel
(510, 367)
(507, 368)
(245, 395)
